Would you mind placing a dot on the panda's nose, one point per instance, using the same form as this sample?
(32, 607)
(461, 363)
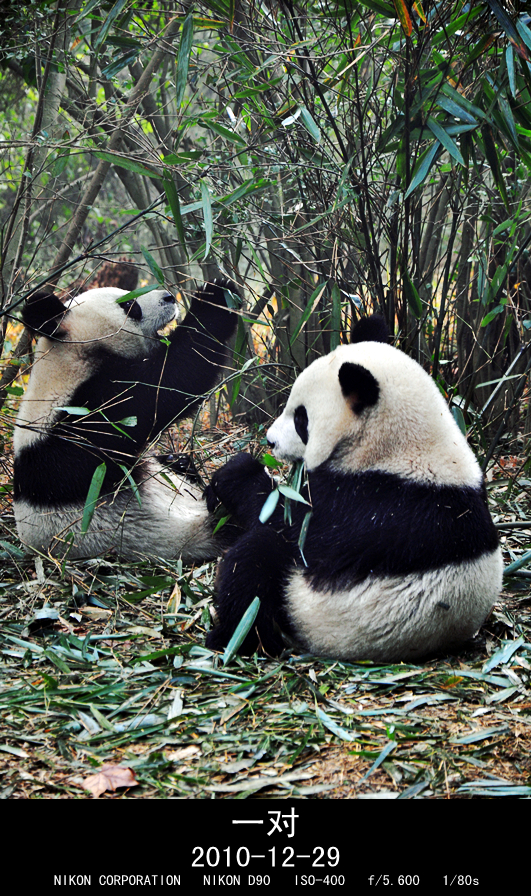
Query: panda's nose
(270, 442)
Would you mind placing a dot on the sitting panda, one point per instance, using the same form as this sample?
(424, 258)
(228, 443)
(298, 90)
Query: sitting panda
(103, 386)
(400, 558)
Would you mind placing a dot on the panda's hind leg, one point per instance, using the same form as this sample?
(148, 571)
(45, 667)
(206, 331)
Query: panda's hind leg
(254, 567)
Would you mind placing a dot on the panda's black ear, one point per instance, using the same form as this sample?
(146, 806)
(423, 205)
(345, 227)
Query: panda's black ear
(43, 313)
(358, 385)
(370, 329)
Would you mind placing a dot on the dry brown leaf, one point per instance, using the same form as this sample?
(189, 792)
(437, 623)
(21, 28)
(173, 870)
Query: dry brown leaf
(109, 777)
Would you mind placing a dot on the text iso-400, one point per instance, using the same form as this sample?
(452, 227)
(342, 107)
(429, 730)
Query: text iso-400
(230, 857)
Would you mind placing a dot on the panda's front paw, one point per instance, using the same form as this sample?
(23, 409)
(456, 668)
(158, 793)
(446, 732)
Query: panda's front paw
(242, 486)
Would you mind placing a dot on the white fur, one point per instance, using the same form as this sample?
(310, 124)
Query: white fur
(60, 365)
(410, 430)
(397, 618)
(170, 522)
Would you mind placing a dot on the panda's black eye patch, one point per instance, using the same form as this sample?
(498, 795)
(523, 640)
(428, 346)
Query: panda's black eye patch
(300, 421)
(132, 309)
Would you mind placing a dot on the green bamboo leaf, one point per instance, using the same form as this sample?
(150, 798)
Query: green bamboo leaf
(465, 105)
(292, 494)
(524, 32)
(223, 132)
(504, 20)
(173, 200)
(508, 118)
(492, 158)
(423, 166)
(454, 109)
(517, 564)
(153, 266)
(439, 132)
(132, 483)
(385, 9)
(412, 296)
(269, 506)
(110, 71)
(92, 496)
(509, 60)
(111, 18)
(312, 304)
(502, 656)
(383, 755)
(242, 630)
(206, 204)
(458, 416)
(336, 729)
(135, 293)
(128, 421)
(310, 124)
(303, 534)
(183, 57)
(130, 164)
(76, 412)
(335, 319)
(269, 461)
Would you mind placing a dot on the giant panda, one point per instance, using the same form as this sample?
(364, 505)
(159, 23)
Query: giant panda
(104, 384)
(399, 559)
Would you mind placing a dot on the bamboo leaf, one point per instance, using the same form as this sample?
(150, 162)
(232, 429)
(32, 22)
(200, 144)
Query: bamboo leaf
(303, 534)
(504, 20)
(76, 412)
(269, 506)
(292, 494)
(310, 124)
(206, 204)
(335, 320)
(130, 164)
(132, 483)
(423, 166)
(153, 266)
(92, 496)
(439, 132)
(183, 57)
(412, 296)
(336, 729)
(111, 18)
(403, 14)
(457, 414)
(242, 630)
(223, 132)
(173, 200)
(312, 304)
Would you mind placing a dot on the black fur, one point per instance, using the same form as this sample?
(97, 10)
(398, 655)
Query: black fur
(166, 386)
(358, 386)
(356, 531)
(43, 314)
(370, 329)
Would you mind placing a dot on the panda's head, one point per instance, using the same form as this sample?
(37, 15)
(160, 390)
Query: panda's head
(368, 406)
(98, 316)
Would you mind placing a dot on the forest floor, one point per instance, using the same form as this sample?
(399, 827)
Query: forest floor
(107, 691)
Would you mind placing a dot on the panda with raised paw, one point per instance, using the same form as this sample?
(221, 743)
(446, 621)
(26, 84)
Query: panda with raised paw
(400, 559)
(104, 384)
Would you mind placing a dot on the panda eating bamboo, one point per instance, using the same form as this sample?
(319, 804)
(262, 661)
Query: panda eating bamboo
(400, 558)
